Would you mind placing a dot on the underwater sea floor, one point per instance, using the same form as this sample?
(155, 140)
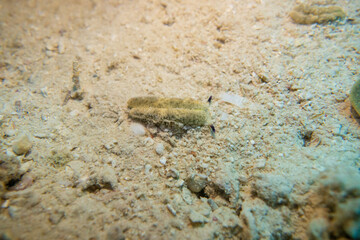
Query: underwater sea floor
(283, 162)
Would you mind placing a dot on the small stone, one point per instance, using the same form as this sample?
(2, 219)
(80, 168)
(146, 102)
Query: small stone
(171, 209)
(204, 209)
(196, 182)
(43, 92)
(26, 181)
(25, 167)
(212, 204)
(163, 161)
(243, 179)
(160, 149)
(179, 183)
(173, 173)
(260, 163)
(186, 196)
(22, 146)
(147, 168)
(177, 224)
(138, 129)
(196, 217)
(141, 196)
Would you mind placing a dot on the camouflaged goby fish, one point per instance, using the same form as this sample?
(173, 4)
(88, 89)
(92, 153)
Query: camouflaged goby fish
(173, 113)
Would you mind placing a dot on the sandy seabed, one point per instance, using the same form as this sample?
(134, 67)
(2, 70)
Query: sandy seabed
(284, 163)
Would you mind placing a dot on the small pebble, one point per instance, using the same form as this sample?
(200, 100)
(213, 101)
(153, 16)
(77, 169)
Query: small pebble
(179, 183)
(147, 168)
(25, 167)
(137, 129)
(196, 182)
(44, 92)
(163, 160)
(160, 149)
(212, 204)
(22, 146)
(173, 173)
(196, 217)
(260, 163)
(171, 209)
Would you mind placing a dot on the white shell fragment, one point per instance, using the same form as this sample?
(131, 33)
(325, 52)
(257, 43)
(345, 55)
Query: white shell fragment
(233, 99)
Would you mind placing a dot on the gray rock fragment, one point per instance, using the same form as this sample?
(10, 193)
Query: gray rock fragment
(147, 168)
(179, 183)
(160, 149)
(186, 196)
(204, 209)
(173, 173)
(212, 204)
(196, 182)
(197, 218)
(171, 209)
(176, 223)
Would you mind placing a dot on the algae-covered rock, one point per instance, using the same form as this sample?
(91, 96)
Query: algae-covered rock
(355, 96)
(59, 157)
(309, 14)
